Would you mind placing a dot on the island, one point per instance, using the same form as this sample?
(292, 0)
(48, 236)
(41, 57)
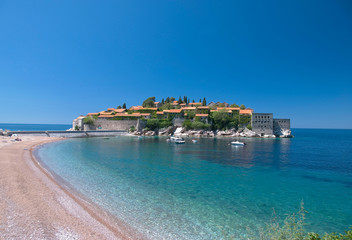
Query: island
(183, 117)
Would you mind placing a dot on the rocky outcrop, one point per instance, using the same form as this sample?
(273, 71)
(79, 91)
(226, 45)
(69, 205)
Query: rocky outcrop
(283, 133)
(167, 131)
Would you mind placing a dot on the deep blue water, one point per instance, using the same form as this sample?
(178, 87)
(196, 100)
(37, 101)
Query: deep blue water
(209, 189)
(33, 127)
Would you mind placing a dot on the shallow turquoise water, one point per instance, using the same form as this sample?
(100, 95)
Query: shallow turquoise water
(211, 189)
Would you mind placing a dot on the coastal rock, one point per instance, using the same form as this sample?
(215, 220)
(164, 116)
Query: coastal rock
(166, 131)
(150, 133)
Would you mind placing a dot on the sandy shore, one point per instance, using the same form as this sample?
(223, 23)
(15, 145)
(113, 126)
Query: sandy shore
(34, 206)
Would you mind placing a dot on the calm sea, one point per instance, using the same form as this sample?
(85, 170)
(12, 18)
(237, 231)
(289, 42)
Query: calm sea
(210, 189)
(34, 127)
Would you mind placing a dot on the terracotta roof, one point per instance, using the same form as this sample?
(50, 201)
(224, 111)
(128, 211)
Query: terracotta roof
(156, 102)
(159, 112)
(111, 109)
(145, 114)
(127, 115)
(121, 110)
(183, 104)
(175, 101)
(246, 111)
(104, 112)
(106, 116)
(175, 110)
(218, 110)
(228, 108)
(189, 108)
(136, 107)
(202, 115)
(195, 103)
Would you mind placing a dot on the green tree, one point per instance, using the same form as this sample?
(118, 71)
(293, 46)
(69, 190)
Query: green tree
(88, 120)
(197, 125)
(190, 115)
(204, 102)
(234, 105)
(124, 106)
(172, 99)
(149, 102)
(167, 100)
(193, 101)
(162, 101)
(185, 99)
(243, 106)
(187, 124)
(119, 107)
(153, 124)
(221, 120)
(179, 100)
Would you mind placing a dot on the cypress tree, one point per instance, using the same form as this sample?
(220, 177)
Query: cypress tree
(204, 102)
(124, 106)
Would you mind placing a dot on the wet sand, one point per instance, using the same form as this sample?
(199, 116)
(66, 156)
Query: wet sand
(34, 206)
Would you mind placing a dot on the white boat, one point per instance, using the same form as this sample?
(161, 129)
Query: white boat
(194, 141)
(180, 141)
(174, 139)
(237, 143)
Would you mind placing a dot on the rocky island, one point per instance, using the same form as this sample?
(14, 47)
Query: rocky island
(185, 118)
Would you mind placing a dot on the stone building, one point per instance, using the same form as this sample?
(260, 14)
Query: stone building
(282, 127)
(262, 123)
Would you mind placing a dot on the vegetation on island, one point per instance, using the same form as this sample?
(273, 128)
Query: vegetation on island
(196, 115)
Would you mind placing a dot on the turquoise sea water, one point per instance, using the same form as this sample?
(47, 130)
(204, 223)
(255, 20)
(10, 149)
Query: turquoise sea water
(210, 189)
(34, 127)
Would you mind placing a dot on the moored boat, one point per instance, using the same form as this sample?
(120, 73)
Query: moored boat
(238, 143)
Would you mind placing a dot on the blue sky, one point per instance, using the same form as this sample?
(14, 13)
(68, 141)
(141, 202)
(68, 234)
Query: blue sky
(60, 59)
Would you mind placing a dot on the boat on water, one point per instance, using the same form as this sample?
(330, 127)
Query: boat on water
(180, 141)
(177, 140)
(194, 140)
(174, 139)
(238, 143)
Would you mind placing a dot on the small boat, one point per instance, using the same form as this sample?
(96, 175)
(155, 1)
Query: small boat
(180, 141)
(194, 141)
(237, 143)
(174, 139)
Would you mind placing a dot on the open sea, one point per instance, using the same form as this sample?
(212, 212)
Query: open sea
(34, 127)
(210, 189)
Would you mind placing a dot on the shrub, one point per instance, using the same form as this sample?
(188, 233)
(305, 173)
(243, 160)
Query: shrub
(76, 128)
(133, 128)
(164, 123)
(197, 125)
(187, 124)
(88, 120)
(153, 124)
(249, 126)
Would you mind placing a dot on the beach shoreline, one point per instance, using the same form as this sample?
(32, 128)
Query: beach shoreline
(34, 205)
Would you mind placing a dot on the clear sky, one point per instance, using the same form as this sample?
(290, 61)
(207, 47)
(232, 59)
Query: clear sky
(60, 59)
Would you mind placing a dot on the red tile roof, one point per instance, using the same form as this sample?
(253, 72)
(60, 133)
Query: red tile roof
(202, 115)
(189, 108)
(159, 113)
(246, 111)
(203, 107)
(175, 110)
(106, 116)
(195, 103)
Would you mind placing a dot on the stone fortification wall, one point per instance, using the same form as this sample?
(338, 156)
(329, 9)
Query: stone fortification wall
(178, 122)
(103, 124)
(262, 123)
(281, 125)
